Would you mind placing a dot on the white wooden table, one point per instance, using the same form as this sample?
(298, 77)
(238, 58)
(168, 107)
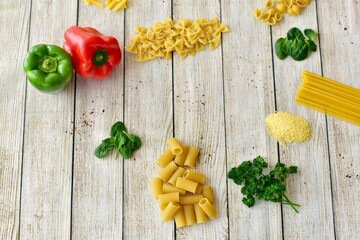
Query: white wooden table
(52, 187)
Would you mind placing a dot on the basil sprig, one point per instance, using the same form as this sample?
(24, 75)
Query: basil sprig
(121, 140)
(295, 44)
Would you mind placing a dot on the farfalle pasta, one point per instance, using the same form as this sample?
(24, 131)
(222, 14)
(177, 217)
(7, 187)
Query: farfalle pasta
(275, 10)
(183, 37)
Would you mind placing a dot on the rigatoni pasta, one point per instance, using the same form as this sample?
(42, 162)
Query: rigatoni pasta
(180, 192)
(170, 211)
(175, 146)
(208, 208)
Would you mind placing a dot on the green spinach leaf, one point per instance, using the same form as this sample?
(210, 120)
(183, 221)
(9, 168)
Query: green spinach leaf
(106, 146)
(311, 34)
(117, 128)
(279, 49)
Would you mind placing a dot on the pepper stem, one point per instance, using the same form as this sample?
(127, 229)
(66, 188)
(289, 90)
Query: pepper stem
(48, 64)
(100, 57)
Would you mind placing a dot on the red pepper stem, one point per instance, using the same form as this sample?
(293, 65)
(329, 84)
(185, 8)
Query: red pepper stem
(100, 57)
(48, 64)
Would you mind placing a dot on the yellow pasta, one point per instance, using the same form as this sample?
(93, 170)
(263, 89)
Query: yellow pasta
(208, 208)
(208, 193)
(199, 189)
(187, 185)
(170, 211)
(296, 9)
(191, 157)
(329, 97)
(156, 187)
(265, 16)
(271, 21)
(184, 37)
(165, 198)
(167, 171)
(257, 13)
(189, 213)
(96, 3)
(111, 4)
(194, 176)
(281, 7)
(180, 218)
(269, 3)
(180, 159)
(288, 3)
(190, 199)
(278, 16)
(165, 158)
(168, 188)
(199, 214)
(175, 146)
(162, 206)
(178, 173)
(120, 5)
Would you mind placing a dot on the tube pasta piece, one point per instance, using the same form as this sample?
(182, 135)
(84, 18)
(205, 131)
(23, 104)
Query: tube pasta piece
(178, 173)
(257, 13)
(165, 158)
(194, 176)
(167, 171)
(199, 189)
(180, 218)
(168, 188)
(156, 187)
(170, 211)
(186, 184)
(269, 4)
(190, 199)
(175, 146)
(120, 5)
(208, 193)
(199, 214)
(180, 159)
(189, 213)
(208, 208)
(162, 206)
(191, 157)
(165, 198)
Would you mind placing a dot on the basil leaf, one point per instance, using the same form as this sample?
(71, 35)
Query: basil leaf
(117, 128)
(106, 146)
(311, 34)
(279, 49)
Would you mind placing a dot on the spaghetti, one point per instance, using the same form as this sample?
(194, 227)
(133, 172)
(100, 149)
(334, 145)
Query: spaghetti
(329, 97)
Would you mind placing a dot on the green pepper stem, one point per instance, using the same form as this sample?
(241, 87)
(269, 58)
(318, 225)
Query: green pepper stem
(48, 64)
(100, 57)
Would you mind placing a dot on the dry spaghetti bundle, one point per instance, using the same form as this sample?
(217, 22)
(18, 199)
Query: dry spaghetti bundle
(329, 97)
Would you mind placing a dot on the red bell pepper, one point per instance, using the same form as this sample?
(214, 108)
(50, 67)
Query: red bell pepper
(93, 54)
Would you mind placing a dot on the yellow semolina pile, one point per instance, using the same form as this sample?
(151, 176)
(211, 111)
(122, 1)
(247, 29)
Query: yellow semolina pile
(286, 127)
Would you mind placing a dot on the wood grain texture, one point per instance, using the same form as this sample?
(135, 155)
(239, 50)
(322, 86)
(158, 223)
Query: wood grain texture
(47, 162)
(97, 188)
(199, 117)
(148, 113)
(13, 44)
(315, 218)
(340, 45)
(249, 97)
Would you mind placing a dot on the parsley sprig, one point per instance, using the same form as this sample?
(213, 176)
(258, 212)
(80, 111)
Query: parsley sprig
(269, 187)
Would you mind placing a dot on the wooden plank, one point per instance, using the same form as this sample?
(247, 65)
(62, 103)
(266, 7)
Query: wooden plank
(148, 113)
(14, 40)
(311, 186)
(340, 46)
(47, 163)
(97, 201)
(199, 117)
(249, 97)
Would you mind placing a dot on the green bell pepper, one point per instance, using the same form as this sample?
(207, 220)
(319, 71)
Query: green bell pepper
(48, 67)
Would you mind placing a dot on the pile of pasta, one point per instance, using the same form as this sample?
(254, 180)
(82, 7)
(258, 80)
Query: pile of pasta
(276, 8)
(184, 37)
(181, 192)
(114, 5)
